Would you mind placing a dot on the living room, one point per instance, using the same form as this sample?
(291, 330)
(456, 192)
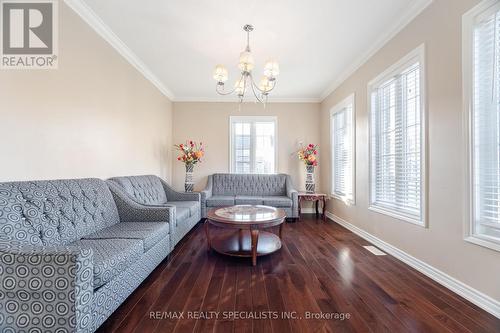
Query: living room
(250, 166)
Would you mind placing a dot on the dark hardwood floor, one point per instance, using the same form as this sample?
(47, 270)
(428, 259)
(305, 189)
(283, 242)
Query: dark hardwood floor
(322, 269)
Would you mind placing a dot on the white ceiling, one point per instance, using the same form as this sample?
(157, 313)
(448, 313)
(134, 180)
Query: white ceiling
(317, 42)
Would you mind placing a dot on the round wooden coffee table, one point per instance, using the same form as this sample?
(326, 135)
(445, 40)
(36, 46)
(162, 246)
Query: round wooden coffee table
(248, 240)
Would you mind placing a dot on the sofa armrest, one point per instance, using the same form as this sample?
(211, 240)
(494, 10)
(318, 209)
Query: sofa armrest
(173, 195)
(205, 194)
(290, 191)
(207, 191)
(294, 195)
(132, 211)
(56, 283)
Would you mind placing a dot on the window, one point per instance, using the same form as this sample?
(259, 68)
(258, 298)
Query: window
(343, 147)
(397, 140)
(253, 144)
(482, 102)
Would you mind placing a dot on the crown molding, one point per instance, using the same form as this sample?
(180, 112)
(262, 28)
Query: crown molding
(96, 23)
(222, 99)
(482, 300)
(404, 20)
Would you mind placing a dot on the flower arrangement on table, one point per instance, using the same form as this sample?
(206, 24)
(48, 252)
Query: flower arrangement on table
(190, 154)
(308, 154)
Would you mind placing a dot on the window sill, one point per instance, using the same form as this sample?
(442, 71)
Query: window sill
(485, 241)
(346, 200)
(398, 216)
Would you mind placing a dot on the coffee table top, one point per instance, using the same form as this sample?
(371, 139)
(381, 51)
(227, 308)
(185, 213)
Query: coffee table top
(246, 214)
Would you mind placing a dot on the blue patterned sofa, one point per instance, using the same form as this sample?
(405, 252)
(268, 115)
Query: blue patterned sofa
(151, 190)
(69, 256)
(227, 189)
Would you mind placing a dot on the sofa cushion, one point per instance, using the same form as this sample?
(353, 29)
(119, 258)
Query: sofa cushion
(111, 256)
(278, 201)
(220, 200)
(248, 200)
(150, 233)
(147, 190)
(181, 214)
(192, 206)
(248, 184)
(55, 212)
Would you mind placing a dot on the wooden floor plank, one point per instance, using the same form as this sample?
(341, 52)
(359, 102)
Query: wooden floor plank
(260, 303)
(227, 300)
(211, 299)
(322, 268)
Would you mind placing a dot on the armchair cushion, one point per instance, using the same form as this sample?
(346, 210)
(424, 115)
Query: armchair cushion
(111, 256)
(278, 201)
(150, 233)
(220, 200)
(248, 200)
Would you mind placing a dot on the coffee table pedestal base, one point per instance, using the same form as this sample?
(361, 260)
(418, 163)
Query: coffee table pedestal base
(239, 243)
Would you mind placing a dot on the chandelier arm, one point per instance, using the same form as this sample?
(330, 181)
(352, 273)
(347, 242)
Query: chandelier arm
(255, 94)
(223, 93)
(263, 91)
(229, 92)
(274, 85)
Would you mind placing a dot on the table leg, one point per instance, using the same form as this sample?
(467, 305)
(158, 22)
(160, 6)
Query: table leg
(281, 230)
(255, 241)
(209, 246)
(324, 209)
(300, 209)
(240, 239)
(316, 202)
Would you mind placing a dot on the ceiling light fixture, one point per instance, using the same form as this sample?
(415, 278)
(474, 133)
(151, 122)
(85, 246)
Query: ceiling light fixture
(246, 81)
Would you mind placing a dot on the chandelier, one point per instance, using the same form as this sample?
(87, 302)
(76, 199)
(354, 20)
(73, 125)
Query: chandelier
(246, 81)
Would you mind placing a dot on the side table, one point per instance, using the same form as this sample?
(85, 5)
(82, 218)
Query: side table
(316, 198)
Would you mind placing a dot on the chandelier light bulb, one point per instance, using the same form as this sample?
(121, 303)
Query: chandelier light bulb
(271, 69)
(220, 74)
(239, 87)
(246, 63)
(265, 85)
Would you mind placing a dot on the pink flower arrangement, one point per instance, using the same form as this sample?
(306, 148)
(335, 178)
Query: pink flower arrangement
(191, 152)
(308, 154)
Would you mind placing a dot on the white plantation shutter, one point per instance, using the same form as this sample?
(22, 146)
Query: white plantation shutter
(486, 124)
(343, 152)
(253, 146)
(396, 144)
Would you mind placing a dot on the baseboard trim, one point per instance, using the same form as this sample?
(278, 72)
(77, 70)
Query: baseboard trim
(480, 299)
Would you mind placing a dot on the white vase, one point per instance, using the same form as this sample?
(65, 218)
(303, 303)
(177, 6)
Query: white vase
(189, 183)
(310, 185)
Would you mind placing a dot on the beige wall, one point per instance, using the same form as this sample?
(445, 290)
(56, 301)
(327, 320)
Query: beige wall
(95, 116)
(441, 244)
(209, 123)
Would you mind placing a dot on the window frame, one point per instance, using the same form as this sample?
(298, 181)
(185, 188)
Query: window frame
(468, 24)
(416, 55)
(234, 119)
(349, 100)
